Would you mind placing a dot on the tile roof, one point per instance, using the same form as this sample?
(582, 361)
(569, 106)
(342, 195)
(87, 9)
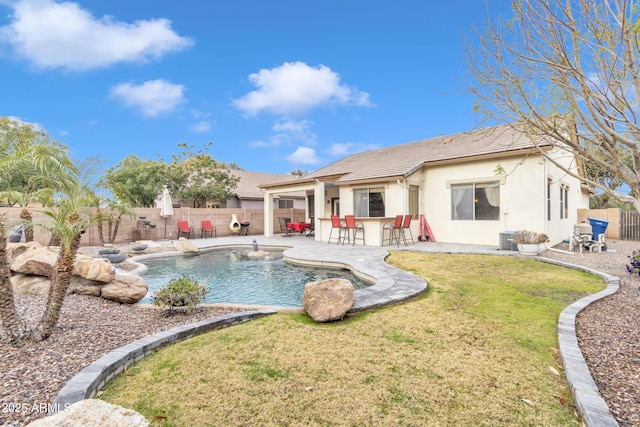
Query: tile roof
(402, 160)
(247, 187)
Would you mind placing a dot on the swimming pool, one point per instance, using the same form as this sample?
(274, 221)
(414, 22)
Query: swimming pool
(232, 277)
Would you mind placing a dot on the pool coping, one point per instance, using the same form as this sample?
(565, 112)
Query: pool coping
(392, 285)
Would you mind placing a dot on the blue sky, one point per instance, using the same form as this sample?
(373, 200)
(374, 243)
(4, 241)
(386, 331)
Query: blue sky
(275, 85)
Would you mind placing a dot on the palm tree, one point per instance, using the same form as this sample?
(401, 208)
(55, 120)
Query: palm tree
(13, 326)
(31, 166)
(43, 195)
(67, 223)
(113, 218)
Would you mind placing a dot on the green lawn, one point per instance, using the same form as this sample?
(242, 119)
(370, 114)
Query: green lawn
(478, 349)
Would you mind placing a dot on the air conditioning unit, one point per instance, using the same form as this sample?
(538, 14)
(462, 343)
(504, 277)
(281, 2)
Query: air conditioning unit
(506, 241)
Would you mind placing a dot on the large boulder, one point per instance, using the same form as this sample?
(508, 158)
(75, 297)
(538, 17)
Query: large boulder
(99, 270)
(183, 245)
(37, 261)
(125, 288)
(80, 285)
(93, 412)
(26, 284)
(329, 299)
(16, 249)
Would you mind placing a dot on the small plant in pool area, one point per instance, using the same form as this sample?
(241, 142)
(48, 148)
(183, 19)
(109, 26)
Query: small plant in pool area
(634, 263)
(179, 292)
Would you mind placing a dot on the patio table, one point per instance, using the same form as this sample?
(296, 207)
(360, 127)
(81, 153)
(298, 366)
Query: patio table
(299, 227)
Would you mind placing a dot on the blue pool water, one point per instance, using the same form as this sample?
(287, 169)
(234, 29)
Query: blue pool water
(230, 276)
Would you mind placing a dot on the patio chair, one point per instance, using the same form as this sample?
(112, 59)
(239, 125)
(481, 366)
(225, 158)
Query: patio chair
(207, 227)
(336, 224)
(406, 225)
(582, 237)
(184, 228)
(352, 229)
(394, 230)
(311, 231)
(285, 226)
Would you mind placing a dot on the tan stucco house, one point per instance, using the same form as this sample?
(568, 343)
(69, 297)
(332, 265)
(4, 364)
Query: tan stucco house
(471, 187)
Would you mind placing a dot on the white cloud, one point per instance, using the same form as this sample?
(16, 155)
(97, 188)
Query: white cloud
(341, 149)
(295, 88)
(199, 114)
(274, 141)
(64, 35)
(299, 130)
(200, 127)
(304, 156)
(152, 98)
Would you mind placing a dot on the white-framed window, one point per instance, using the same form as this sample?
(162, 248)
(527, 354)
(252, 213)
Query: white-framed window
(368, 202)
(285, 203)
(477, 201)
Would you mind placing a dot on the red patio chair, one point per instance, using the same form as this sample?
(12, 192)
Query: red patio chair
(394, 231)
(207, 227)
(184, 228)
(406, 225)
(336, 224)
(352, 229)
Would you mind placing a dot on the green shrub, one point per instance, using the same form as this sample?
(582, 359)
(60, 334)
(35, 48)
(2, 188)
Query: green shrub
(179, 292)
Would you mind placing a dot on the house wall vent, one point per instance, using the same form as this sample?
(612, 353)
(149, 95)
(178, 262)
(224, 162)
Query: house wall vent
(506, 241)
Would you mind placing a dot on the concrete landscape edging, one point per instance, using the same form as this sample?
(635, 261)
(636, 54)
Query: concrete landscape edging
(595, 411)
(93, 378)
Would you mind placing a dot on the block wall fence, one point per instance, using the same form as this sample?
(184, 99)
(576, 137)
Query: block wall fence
(133, 229)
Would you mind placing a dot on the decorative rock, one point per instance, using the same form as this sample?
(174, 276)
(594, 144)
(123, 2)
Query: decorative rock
(17, 249)
(329, 299)
(82, 286)
(15, 235)
(27, 284)
(38, 261)
(93, 412)
(183, 245)
(149, 243)
(115, 258)
(125, 288)
(95, 277)
(108, 251)
(139, 247)
(257, 254)
(94, 269)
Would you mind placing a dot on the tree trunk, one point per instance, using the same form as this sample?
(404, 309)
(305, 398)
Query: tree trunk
(60, 280)
(10, 321)
(27, 228)
(115, 228)
(99, 225)
(110, 229)
(54, 240)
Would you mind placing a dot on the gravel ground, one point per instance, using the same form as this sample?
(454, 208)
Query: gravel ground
(609, 331)
(90, 327)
